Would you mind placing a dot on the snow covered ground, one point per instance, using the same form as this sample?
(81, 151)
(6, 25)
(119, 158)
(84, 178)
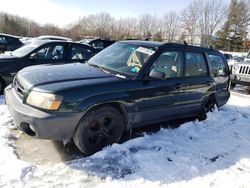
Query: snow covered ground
(212, 153)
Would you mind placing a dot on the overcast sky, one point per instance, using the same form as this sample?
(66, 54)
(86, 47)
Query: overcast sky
(63, 12)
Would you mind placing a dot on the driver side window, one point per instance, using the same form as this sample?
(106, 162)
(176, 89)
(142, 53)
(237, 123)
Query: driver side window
(169, 65)
(49, 52)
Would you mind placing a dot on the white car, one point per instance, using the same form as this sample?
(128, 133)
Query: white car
(46, 37)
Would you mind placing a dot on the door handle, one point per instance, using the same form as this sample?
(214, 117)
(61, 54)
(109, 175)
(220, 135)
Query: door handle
(13, 74)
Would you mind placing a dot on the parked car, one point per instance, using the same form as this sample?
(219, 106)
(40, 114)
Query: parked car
(230, 61)
(9, 42)
(41, 52)
(238, 59)
(240, 74)
(97, 43)
(127, 85)
(45, 37)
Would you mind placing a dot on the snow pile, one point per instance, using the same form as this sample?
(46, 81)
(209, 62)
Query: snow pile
(12, 170)
(212, 153)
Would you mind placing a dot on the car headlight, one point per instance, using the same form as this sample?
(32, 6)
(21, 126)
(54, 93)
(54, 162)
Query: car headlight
(46, 101)
(236, 67)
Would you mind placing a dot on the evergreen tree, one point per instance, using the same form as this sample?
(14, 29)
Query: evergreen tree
(233, 34)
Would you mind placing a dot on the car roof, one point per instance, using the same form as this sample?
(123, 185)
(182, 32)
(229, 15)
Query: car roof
(44, 37)
(163, 45)
(7, 35)
(41, 42)
(143, 43)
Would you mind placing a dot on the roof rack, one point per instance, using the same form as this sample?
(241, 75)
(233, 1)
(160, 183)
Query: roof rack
(191, 44)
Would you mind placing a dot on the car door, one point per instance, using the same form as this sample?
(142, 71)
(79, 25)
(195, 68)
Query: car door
(160, 96)
(79, 53)
(198, 82)
(221, 75)
(51, 53)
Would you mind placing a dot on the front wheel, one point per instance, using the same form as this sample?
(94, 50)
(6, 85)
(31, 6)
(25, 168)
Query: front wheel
(100, 127)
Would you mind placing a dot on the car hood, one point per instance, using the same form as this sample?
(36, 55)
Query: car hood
(243, 63)
(4, 57)
(38, 76)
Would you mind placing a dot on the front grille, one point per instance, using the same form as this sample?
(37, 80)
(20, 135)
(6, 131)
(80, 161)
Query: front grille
(244, 69)
(19, 88)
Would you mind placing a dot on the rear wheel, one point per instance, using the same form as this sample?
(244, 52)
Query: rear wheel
(209, 106)
(100, 127)
(232, 85)
(1, 87)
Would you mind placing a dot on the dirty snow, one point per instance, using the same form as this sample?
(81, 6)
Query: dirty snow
(212, 153)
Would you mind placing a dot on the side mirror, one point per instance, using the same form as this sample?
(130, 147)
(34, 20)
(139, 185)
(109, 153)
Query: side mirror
(34, 56)
(157, 75)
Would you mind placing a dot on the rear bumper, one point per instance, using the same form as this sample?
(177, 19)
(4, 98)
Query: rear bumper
(40, 124)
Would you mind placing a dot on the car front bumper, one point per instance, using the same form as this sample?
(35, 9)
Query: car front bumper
(241, 79)
(40, 124)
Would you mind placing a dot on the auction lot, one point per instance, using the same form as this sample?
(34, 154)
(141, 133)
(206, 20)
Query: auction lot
(214, 152)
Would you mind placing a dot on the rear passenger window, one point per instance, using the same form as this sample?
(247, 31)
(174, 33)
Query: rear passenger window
(79, 52)
(218, 65)
(195, 64)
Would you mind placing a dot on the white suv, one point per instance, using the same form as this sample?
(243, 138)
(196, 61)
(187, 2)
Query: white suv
(241, 72)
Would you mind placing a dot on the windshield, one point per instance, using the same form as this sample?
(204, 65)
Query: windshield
(23, 51)
(85, 41)
(122, 58)
(248, 55)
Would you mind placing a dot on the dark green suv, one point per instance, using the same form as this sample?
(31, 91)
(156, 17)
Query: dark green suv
(127, 85)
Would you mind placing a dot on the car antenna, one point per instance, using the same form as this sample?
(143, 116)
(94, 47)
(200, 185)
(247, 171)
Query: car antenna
(185, 43)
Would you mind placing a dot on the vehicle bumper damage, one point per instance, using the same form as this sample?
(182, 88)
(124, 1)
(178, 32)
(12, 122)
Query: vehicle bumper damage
(40, 124)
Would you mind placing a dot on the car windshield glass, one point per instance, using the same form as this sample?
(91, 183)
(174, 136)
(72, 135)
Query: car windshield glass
(85, 41)
(122, 58)
(248, 55)
(20, 52)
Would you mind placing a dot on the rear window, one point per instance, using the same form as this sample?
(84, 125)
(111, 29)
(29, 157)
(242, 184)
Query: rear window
(218, 65)
(195, 64)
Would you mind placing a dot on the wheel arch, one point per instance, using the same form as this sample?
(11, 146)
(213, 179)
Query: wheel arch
(120, 107)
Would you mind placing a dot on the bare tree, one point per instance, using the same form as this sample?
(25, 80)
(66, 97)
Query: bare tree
(100, 24)
(147, 26)
(190, 20)
(126, 28)
(170, 26)
(211, 14)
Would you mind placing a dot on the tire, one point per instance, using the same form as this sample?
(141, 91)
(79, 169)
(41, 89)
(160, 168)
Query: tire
(232, 85)
(209, 106)
(100, 127)
(1, 87)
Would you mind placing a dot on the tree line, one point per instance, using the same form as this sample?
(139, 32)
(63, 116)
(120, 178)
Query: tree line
(211, 22)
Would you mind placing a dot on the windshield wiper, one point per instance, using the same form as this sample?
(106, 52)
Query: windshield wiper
(107, 70)
(99, 67)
